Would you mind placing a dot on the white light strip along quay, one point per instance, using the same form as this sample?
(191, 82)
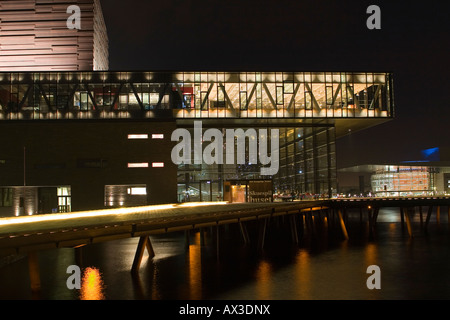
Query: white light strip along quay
(99, 213)
(83, 214)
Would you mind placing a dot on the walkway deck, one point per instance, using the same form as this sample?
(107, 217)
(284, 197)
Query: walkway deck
(35, 233)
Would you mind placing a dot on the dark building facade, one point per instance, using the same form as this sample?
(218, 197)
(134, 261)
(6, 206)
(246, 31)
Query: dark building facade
(34, 36)
(90, 140)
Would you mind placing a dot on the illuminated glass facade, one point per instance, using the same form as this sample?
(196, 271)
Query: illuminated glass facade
(195, 95)
(307, 165)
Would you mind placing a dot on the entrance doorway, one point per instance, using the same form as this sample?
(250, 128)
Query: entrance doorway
(202, 191)
(55, 199)
(240, 191)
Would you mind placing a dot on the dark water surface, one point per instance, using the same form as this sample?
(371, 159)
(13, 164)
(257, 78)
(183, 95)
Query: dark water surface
(322, 266)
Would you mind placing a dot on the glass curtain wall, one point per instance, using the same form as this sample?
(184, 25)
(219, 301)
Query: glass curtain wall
(402, 181)
(307, 168)
(307, 163)
(194, 95)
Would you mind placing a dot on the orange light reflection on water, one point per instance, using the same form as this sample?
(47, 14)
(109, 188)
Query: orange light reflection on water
(92, 286)
(303, 275)
(194, 261)
(263, 281)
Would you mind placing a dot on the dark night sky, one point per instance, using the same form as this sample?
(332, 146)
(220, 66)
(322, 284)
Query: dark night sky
(304, 35)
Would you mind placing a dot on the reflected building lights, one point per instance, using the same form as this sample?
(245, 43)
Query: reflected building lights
(303, 275)
(371, 254)
(194, 260)
(92, 286)
(264, 281)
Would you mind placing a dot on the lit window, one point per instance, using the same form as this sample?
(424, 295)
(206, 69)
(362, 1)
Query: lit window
(137, 191)
(138, 165)
(154, 98)
(157, 136)
(158, 164)
(137, 136)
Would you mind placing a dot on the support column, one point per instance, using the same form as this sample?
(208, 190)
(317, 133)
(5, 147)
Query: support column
(218, 242)
(186, 239)
(375, 217)
(408, 222)
(344, 229)
(438, 214)
(402, 217)
(294, 233)
(370, 218)
(262, 233)
(79, 256)
(144, 243)
(421, 216)
(311, 222)
(430, 210)
(244, 233)
(448, 215)
(302, 224)
(327, 215)
(360, 214)
(202, 237)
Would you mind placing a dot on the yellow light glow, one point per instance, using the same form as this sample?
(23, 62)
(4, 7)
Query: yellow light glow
(263, 280)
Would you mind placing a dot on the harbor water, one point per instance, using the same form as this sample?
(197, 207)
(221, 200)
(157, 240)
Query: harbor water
(322, 266)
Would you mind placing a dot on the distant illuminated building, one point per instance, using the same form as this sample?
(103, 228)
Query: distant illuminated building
(428, 176)
(402, 181)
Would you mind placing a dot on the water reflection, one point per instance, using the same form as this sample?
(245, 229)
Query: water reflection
(92, 287)
(303, 275)
(321, 266)
(194, 263)
(264, 281)
(371, 254)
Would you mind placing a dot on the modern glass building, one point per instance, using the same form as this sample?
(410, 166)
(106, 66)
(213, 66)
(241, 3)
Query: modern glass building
(403, 181)
(108, 135)
(429, 175)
